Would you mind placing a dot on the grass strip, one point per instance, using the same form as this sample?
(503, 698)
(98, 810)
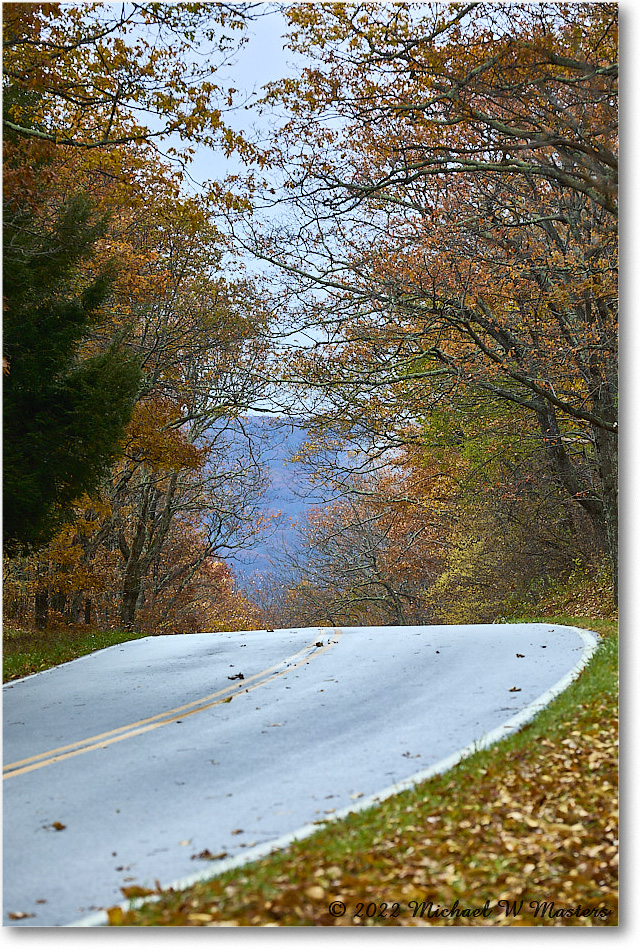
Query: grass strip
(30, 651)
(531, 820)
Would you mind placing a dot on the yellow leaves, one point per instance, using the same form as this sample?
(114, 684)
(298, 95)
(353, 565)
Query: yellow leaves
(100, 71)
(315, 892)
(200, 918)
(135, 891)
(156, 440)
(525, 819)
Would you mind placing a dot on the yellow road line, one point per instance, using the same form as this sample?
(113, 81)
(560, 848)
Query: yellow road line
(105, 739)
(168, 712)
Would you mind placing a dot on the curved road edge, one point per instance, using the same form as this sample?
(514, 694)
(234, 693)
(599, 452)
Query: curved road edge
(590, 640)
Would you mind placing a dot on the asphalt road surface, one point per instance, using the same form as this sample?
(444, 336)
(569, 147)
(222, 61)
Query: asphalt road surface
(133, 765)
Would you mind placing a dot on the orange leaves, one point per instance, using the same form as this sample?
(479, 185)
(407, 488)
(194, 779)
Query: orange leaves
(157, 440)
(98, 72)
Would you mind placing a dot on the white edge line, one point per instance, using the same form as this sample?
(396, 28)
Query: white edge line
(217, 868)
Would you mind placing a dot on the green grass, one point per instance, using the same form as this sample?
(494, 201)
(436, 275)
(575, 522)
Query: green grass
(31, 651)
(534, 818)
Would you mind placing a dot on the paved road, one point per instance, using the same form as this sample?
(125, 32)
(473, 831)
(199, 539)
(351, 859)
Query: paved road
(124, 766)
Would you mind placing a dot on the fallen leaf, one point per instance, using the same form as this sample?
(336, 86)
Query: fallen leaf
(316, 892)
(515, 689)
(207, 855)
(135, 891)
(115, 916)
(20, 915)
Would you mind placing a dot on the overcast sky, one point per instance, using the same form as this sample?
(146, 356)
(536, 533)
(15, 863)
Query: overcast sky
(262, 60)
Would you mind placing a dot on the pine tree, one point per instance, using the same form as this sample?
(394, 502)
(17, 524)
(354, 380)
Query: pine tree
(64, 411)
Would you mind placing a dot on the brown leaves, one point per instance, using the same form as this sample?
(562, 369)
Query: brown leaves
(133, 891)
(107, 75)
(156, 439)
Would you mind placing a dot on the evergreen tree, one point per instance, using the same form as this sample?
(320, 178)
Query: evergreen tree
(64, 412)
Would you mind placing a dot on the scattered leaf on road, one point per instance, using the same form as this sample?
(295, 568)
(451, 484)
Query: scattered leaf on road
(135, 891)
(207, 855)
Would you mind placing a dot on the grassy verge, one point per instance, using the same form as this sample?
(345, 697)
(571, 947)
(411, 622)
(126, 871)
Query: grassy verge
(31, 651)
(533, 819)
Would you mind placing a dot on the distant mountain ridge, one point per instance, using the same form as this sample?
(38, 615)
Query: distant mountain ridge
(289, 491)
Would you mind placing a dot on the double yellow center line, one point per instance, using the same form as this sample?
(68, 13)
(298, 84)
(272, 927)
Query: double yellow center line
(104, 739)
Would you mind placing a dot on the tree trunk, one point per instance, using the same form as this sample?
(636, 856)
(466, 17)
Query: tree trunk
(131, 592)
(567, 474)
(75, 606)
(606, 451)
(41, 612)
(128, 610)
(603, 509)
(151, 532)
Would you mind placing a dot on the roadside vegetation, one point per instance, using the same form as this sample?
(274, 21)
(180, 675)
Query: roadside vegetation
(26, 651)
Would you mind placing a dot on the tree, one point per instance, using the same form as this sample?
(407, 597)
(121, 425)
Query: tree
(65, 411)
(187, 480)
(108, 75)
(200, 339)
(92, 92)
(462, 526)
(369, 556)
(454, 173)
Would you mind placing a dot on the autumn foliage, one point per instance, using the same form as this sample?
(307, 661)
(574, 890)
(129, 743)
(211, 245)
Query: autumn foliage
(453, 174)
(131, 353)
(444, 279)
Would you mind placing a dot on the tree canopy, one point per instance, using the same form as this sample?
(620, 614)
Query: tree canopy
(434, 220)
(451, 175)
